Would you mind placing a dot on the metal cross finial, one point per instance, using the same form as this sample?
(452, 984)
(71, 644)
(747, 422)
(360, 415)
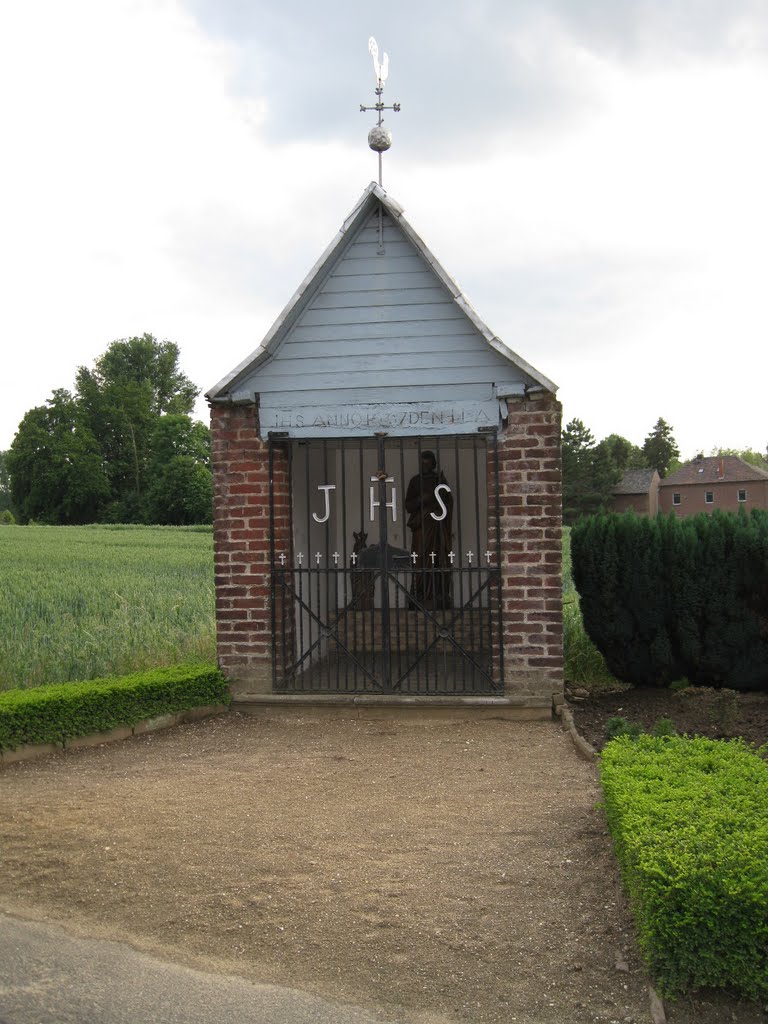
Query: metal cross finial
(379, 137)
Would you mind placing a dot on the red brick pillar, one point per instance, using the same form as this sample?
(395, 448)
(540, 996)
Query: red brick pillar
(530, 497)
(241, 537)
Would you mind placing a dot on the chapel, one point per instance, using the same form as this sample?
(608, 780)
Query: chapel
(387, 510)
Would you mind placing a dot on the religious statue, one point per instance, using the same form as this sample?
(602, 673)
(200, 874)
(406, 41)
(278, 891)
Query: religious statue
(429, 506)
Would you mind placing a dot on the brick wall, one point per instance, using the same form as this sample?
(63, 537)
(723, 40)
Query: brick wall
(639, 503)
(725, 496)
(530, 519)
(241, 539)
(530, 495)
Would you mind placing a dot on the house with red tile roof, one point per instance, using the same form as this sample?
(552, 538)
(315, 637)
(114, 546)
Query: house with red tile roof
(723, 482)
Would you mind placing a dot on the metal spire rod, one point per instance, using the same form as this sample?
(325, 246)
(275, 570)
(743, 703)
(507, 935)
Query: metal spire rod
(379, 137)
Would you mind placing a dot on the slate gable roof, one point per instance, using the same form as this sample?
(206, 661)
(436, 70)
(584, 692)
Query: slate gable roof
(714, 469)
(234, 385)
(636, 481)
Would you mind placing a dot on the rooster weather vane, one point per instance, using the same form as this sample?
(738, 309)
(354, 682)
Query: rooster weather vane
(379, 137)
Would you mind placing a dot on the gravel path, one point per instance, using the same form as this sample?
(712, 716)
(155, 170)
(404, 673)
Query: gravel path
(436, 871)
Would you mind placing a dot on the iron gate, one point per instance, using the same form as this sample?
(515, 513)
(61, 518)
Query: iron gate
(391, 580)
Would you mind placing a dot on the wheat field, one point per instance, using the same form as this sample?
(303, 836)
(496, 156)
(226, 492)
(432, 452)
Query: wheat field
(80, 602)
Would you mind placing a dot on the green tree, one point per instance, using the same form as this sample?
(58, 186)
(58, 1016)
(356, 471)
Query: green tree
(660, 448)
(180, 490)
(5, 484)
(55, 465)
(181, 494)
(134, 383)
(622, 452)
(589, 472)
(96, 455)
(176, 434)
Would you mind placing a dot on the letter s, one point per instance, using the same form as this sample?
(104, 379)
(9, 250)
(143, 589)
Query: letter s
(441, 503)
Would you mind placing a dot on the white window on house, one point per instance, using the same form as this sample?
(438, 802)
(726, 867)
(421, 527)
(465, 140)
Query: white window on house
(742, 494)
(709, 497)
(676, 497)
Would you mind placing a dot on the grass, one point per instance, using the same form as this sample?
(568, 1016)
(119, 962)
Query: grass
(80, 602)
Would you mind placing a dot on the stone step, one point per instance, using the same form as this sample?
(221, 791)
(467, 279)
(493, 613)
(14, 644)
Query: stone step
(518, 708)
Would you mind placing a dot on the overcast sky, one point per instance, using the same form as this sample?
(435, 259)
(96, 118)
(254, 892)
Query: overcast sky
(593, 173)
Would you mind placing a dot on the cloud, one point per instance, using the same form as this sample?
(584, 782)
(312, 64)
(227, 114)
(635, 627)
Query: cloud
(593, 174)
(136, 190)
(626, 255)
(663, 31)
(462, 70)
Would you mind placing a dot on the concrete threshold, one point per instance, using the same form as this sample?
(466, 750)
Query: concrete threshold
(516, 708)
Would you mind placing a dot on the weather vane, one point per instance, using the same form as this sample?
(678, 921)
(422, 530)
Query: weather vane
(379, 137)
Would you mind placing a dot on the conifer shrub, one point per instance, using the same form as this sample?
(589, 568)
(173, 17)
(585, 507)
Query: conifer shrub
(667, 598)
(689, 821)
(56, 713)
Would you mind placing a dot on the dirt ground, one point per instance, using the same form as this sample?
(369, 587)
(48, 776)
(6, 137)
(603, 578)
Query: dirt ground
(696, 711)
(436, 871)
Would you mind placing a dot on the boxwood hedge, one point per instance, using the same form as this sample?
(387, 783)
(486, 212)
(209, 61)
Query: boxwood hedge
(54, 714)
(689, 820)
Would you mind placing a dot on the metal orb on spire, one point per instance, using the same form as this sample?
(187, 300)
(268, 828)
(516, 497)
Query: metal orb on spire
(379, 137)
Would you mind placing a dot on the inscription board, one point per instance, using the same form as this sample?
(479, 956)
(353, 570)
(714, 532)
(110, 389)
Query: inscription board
(407, 418)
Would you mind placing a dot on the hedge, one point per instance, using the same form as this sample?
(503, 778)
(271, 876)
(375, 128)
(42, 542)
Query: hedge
(689, 820)
(667, 598)
(56, 713)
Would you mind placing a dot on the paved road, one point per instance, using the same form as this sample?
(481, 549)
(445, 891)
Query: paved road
(49, 977)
